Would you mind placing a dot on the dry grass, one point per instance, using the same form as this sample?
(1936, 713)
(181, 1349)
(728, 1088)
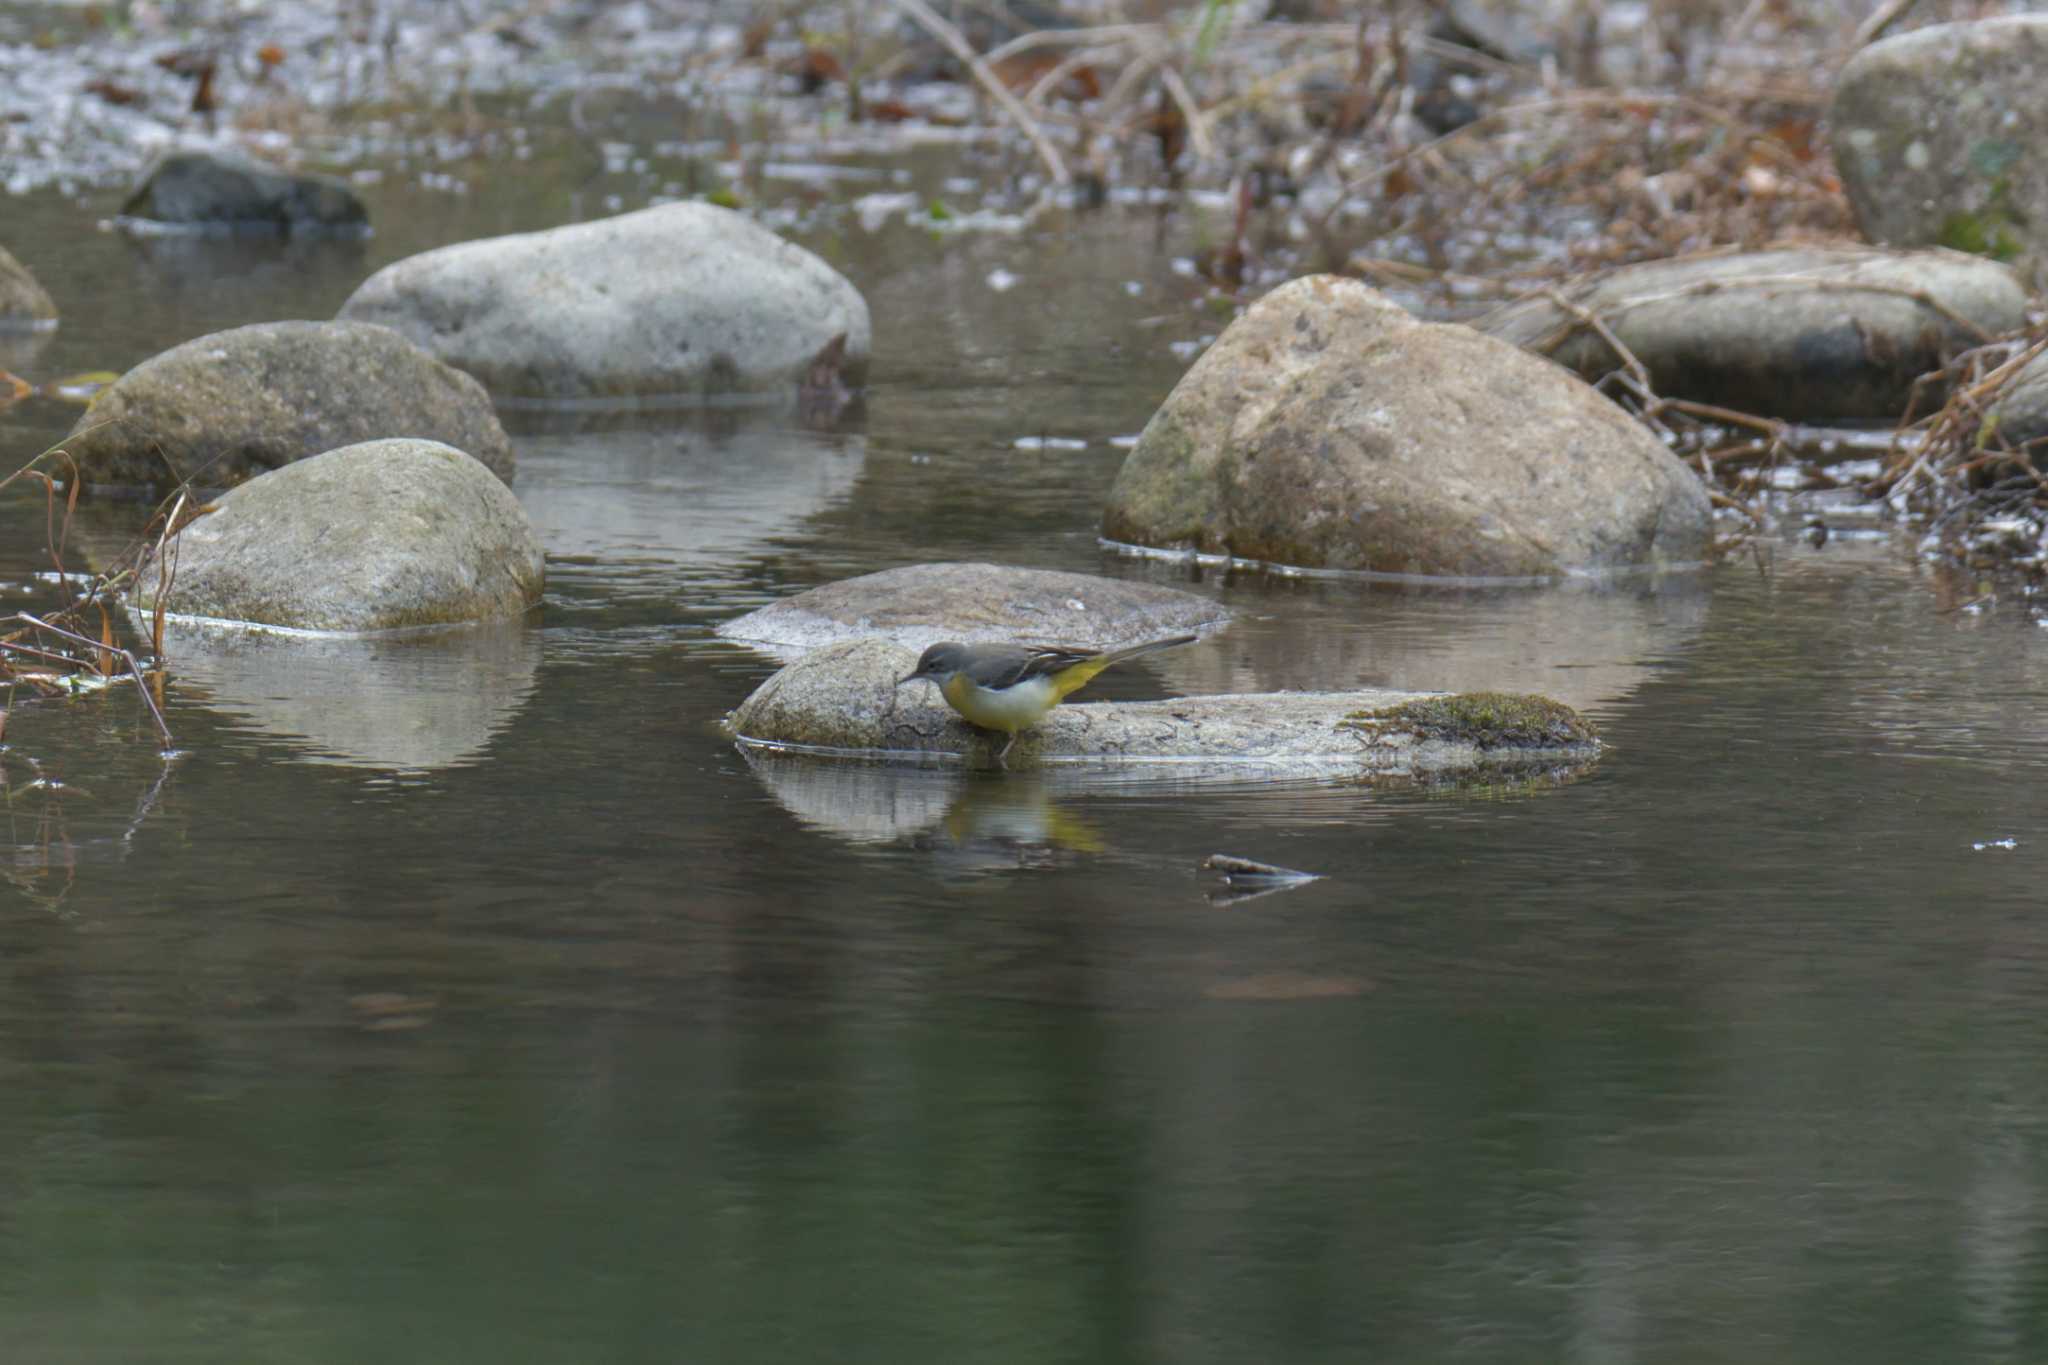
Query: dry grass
(75, 644)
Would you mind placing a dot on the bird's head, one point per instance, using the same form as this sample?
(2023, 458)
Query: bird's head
(938, 663)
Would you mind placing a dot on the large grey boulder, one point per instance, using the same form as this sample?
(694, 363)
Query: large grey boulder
(920, 604)
(385, 535)
(683, 300)
(24, 304)
(1941, 137)
(842, 699)
(1327, 428)
(1805, 333)
(219, 189)
(226, 407)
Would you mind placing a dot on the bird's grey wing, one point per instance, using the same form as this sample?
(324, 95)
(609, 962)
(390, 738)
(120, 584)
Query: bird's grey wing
(1007, 665)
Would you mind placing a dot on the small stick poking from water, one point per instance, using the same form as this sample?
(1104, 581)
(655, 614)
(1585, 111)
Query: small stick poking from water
(134, 669)
(1234, 867)
(1244, 878)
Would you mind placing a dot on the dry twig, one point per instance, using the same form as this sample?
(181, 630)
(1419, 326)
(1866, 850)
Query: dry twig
(951, 38)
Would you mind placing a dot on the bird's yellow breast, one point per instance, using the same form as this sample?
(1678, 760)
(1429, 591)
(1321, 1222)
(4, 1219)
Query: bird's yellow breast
(1011, 709)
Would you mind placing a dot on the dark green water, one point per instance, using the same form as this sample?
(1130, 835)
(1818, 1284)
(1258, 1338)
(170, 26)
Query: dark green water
(486, 1005)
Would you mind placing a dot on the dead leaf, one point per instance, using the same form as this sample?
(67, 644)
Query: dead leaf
(113, 92)
(1288, 986)
(814, 69)
(888, 111)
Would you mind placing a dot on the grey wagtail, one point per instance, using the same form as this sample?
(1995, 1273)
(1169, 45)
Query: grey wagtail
(1011, 687)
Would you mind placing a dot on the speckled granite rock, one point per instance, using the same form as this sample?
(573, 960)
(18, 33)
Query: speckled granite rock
(920, 604)
(226, 407)
(1941, 137)
(683, 300)
(1806, 333)
(843, 698)
(1327, 428)
(385, 535)
(227, 190)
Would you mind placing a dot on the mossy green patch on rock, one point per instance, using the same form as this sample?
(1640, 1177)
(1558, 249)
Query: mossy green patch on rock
(1936, 134)
(1486, 720)
(1982, 234)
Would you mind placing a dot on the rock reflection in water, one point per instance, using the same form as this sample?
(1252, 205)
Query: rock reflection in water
(18, 352)
(681, 488)
(210, 280)
(399, 702)
(1581, 644)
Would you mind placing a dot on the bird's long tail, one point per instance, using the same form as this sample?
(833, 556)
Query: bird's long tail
(1078, 675)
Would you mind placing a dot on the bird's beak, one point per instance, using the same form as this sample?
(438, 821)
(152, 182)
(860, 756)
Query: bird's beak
(910, 678)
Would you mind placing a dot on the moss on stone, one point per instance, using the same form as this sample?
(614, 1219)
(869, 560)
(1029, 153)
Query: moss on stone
(1486, 720)
(1981, 234)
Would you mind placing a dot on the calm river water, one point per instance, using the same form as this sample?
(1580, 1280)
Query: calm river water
(482, 1003)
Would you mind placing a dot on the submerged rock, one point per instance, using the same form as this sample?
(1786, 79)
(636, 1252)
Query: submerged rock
(383, 535)
(24, 304)
(1941, 137)
(923, 603)
(683, 300)
(843, 697)
(1806, 333)
(223, 408)
(1327, 428)
(229, 190)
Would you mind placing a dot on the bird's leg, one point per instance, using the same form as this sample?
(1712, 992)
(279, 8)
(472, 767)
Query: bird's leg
(1004, 752)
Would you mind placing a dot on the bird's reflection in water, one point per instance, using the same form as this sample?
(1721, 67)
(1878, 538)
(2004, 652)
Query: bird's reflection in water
(1015, 823)
(970, 820)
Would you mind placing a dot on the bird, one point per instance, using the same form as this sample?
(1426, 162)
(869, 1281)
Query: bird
(1010, 687)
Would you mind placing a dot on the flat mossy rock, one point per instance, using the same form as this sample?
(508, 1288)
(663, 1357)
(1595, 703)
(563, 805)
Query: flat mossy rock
(682, 300)
(1487, 720)
(1805, 333)
(1327, 428)
(24, 304)
(842, 699)
(385, 535)
(227, 407)
(1941, 138)
(922, 603)
(229, 190)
